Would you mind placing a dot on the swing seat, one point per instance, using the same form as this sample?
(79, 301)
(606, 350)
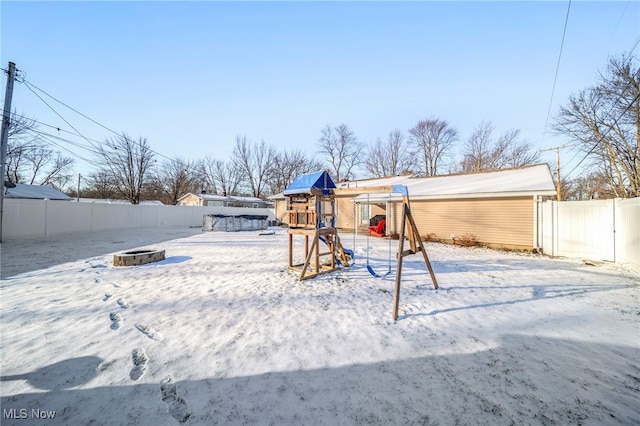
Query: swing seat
(378, 230)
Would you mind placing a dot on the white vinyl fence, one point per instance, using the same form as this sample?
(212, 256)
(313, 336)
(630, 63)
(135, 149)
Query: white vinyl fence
(596, 229)
(45, 218)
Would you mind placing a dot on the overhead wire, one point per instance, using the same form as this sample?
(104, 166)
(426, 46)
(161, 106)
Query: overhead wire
(51, 142)
(29, 84)
(40, 123)
(608, 114)
(635, 45)
(56, 112)
(31, 88)
(595, 145)
(61, 139)
(555, 78)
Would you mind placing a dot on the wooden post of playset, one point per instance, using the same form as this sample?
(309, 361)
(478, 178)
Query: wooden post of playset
(308, 197)
(408, 229)
(414, 237)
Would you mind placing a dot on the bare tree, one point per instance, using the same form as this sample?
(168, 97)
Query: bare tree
(19, 125)
(287, 165)
(219, 176)
(342, 150)
(477, 154)
(433, 140)
(128, 163)
(100, 184)
(255, 162)
(589, 186)
(390, 158)
(605, 123)
(173, 179)
(29, 158)
(483, 152)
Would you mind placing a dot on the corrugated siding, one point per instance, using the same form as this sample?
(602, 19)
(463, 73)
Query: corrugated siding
(500, 221)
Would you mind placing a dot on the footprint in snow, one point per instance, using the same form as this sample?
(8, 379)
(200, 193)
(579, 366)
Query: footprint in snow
(115, 320)
(106, 297)
(140, 360)
(150, 332)
(177, 406)
(123, 303)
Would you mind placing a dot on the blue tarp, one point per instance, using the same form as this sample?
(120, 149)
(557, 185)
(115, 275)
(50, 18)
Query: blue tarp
(304, 184)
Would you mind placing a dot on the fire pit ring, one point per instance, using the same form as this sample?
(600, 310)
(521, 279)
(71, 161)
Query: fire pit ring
(138, 257)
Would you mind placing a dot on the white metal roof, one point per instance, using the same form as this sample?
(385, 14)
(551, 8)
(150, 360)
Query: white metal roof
(36, 192)
(392, 180)
(216, 197)
(524, 181)
(117, 201)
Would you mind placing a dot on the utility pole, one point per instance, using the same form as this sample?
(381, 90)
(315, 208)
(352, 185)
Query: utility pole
(78, 194)
(557, 149)
(6, 119)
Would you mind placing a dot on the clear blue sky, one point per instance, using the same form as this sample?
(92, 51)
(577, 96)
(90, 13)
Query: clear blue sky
(190, 76)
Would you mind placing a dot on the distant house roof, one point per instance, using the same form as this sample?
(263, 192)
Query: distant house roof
(309, 183)
(522, 181)
(225, 198)
(116, 201)
(37, 192)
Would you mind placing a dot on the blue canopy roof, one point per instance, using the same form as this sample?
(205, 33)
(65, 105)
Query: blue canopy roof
(309, 183)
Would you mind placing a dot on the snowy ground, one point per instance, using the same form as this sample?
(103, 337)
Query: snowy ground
(222, 333)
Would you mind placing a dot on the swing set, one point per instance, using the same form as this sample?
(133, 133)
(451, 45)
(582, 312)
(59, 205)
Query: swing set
(378, 231)
(311, 200)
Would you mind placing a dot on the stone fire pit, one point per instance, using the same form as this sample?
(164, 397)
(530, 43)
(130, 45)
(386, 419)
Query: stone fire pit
(138, 257)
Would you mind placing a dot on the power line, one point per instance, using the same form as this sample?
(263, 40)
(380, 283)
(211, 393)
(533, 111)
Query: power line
(29, 84)
(555, 78)
(91, 142)
(61, 139)
(595, 145)
(619, 20)
(49, 141)
(57, 128)
(56, 112)
(634, 46)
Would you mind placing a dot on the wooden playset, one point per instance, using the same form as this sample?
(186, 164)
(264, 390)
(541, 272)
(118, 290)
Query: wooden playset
(311, 200)
(311, 213)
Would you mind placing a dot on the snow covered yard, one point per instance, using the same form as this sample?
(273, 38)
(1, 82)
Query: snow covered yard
(222, 333)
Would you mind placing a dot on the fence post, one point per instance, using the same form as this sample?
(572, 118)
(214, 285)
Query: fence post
(554, 228)
(614, 207)
(46, 217)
